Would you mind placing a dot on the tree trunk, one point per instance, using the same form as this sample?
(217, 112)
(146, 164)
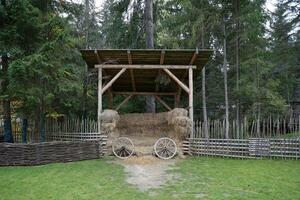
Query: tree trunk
(150, 101)
(203, 90)
(204, 105)
(8, 137)
(225, 86)
(237, 60)
(24, 130)
(85, 78)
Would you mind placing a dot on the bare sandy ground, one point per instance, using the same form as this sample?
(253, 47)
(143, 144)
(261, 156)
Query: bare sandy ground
(147, 172)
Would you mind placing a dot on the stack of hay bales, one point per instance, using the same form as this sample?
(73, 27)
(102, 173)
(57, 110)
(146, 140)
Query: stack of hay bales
(145, 128)
(143, 124)
(181, 123)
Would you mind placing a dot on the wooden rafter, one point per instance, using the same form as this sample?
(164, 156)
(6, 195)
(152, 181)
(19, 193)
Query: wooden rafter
(194, 57)
(109, 84)
(161, 62)
(131, 70)
(123, 102)
(99, 60)
(181, 84)
(162, 102)
(120, 66)
(145, 93)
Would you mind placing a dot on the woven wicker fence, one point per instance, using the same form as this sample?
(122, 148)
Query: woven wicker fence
(48, 152)
(246, 148)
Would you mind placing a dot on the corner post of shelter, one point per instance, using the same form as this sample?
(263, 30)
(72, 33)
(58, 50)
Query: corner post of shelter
(99, 99)
(191, 107)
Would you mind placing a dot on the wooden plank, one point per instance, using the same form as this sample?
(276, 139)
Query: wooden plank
(127, 66)
(181, 84)
(162, 102)
(144, 93)
(123, 102)
(109, 84)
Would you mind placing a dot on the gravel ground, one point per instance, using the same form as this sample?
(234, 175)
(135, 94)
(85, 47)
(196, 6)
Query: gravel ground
(147, 172)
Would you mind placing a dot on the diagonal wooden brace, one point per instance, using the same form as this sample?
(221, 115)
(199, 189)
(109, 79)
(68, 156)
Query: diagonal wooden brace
(109, 84)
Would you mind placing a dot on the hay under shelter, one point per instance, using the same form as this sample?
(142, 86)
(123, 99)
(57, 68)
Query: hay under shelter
(147, 72)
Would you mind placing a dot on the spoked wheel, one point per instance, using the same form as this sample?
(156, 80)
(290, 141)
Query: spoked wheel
(123, 147)
(165, 148)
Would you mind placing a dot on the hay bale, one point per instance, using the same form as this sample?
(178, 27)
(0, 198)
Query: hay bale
(109, 116)
(143, 124)
(177, 112)
(182, 121)
(109, 120)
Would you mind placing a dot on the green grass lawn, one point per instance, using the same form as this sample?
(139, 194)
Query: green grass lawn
(197, 178)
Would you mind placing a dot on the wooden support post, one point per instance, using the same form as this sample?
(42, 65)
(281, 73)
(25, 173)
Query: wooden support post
(113, 80)
(99, 99)
(162, 102)
(191, 107)
(123, 102)
(177, 80)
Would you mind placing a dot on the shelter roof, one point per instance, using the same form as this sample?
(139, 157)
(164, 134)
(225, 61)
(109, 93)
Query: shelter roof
(145, 80)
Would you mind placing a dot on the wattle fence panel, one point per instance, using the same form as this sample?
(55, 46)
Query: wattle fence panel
(252, 148)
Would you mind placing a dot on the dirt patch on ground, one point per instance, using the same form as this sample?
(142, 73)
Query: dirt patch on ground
(148, 172)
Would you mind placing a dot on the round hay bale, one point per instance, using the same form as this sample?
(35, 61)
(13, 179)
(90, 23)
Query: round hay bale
(109, 116)
(177, 112)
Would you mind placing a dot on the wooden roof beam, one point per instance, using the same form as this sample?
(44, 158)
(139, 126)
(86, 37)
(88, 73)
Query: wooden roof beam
(144, 93)
(120, 66)
(131, 70)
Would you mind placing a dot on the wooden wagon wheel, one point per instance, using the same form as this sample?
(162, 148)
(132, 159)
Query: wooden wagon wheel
(165, 148)
(122, 147)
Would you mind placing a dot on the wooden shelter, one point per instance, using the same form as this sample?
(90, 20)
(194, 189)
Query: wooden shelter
(137, 72)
